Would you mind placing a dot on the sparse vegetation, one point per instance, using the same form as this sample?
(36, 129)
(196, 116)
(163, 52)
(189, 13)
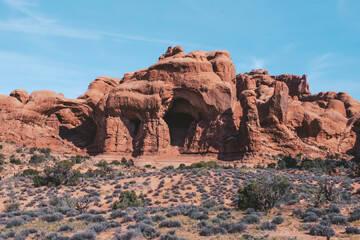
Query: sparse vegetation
(128, 199)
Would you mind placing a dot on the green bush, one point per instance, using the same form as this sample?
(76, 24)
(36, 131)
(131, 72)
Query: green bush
(147, 166)
(36, 159)
(94, 173)
(287, 162)
(45, 151)
(1, 146)
(12, 207)
(130, 163)
(271, 165)
(124, 161)
(30, 172)
(128, 199)
(202, 164)
(2, 158)
(115, 162)
(79, 159)
(32, 150)
(104, 166)
(61, 173)
(168, 168)
(182, 166)
(264, 194)
(307, 164)
(15, 160)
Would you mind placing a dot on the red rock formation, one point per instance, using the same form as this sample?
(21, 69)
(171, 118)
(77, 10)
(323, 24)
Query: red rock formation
(187, 103)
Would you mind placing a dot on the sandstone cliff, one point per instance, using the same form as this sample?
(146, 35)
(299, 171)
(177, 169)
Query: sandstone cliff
(190, 103)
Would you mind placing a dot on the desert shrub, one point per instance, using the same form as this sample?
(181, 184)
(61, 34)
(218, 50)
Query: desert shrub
(148, 231)
(141, 216)
(14, 222)
(236, 227)
(271, 165)
(82, 204)
(79, 159)
(333, 209)
(118, 214)
(170, 235)
(352, 230)
(173, 213)
(322, 230)
(278, 220)
(168, 168)
(61, 173)
(128, 235)
(62, 204)
(307, 164)
(355, 215)
(338, 219)
(87, 235)
(104, 166)
(52, 217)
(198, 215)
(126, 219)
(268, 226)
(209, 203)
(30, 173)
(157, 218)
(2, 158)
(169, 224)
(224, 215)
(212, 230)
(251, 219)
(182, 166)
(36, 159)
(24, 233)
(287, 162)
(103, 226)
(94, 173)
(128, 199)
(115, 162)
(32, 150)
(123, 161)
(327, 192)
(12, 207)
(130, 163)
(264, 194)
(202, 164)
(310, 217)
(91, 218)
(15, 160)
(45, 151)
(66, 228)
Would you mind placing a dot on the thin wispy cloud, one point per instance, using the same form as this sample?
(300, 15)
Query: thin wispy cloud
(36, 23)
(26, 8)
(320, 66)
(258, 63)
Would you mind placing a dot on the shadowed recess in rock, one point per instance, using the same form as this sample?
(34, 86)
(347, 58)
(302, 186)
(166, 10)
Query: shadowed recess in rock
(179, 118)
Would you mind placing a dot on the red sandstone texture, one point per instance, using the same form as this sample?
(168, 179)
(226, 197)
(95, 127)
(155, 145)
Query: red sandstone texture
(189, 103)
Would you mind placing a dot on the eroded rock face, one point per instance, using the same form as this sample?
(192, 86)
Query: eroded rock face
(190, 103)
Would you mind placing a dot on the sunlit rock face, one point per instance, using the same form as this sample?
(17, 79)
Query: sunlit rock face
(187, 103)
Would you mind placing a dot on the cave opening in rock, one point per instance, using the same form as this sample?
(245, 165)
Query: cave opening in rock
(134, 127)
(179, 118)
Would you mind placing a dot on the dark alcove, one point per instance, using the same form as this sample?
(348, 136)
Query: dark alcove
(179, 118)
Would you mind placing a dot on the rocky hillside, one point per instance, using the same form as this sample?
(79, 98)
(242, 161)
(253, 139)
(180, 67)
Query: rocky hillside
(187, 103)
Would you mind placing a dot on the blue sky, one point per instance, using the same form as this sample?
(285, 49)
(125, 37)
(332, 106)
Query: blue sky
(64, 45)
